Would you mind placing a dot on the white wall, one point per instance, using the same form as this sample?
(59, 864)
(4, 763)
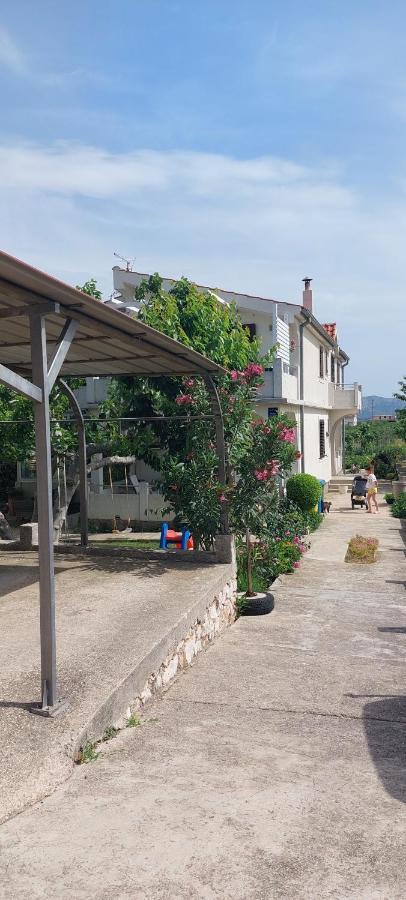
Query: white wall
(321, 468)
(316, 389)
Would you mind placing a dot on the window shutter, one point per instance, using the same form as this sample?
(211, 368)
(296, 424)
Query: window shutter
(321, 362)
(322, 438)
(332, 368)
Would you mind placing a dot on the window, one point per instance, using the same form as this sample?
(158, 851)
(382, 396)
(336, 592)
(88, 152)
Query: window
(252, 330)
(333, 373)
(322, 438)
(321, 371)
(326, 367)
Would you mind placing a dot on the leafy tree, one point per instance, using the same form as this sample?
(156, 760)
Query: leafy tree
(401, 413)
(90, 288)
(256, 451)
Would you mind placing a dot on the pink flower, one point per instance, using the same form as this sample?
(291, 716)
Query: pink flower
(261, 474)
(287, 435)
(184, 399)
(253, 370)
(234, 375)
(296, 539)
(189, 382)
(296, 565)
(277, 539)
(302, 548)
(273, 466)
(222, 498)
(287, 533)
(298, 454)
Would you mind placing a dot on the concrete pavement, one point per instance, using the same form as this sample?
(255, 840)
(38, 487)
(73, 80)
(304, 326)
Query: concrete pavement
(274, 768)
(117, 618)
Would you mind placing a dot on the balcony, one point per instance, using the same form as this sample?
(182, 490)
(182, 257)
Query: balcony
(280, 383)
(346, 397)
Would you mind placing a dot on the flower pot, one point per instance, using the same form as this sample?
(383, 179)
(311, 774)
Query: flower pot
(259, 605)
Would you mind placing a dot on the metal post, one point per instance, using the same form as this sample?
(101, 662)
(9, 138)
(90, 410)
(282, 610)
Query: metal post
(302, 327)
(84, 528)
(45, 517)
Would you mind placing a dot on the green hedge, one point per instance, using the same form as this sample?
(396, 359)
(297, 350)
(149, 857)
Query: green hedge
(304, 490)
(399, 507)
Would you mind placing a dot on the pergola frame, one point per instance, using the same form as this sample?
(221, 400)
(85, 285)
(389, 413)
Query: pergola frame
(40, 294)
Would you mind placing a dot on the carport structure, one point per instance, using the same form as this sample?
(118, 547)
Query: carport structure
(49, 329)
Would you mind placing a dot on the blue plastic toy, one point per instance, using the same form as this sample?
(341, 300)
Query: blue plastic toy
(182, 539)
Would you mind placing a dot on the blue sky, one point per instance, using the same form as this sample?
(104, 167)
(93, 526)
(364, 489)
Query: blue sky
(242, 144)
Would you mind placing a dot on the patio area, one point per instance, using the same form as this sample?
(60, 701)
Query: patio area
(116, 621)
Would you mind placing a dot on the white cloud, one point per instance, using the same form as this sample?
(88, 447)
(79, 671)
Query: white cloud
(255, 225)
(92, 172)
(10, 55)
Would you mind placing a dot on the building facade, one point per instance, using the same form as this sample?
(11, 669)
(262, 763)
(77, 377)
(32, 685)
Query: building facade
(307, 377)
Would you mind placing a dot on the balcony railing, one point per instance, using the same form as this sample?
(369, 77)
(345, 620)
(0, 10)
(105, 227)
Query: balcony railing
(345, 396)
(281, 381)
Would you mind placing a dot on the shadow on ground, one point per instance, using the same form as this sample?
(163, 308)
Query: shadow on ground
(385, 728)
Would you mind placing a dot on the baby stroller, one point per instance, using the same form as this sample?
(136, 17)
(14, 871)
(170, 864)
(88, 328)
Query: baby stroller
(359, 492)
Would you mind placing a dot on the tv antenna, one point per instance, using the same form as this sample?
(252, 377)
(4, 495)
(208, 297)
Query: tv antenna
(128, 262)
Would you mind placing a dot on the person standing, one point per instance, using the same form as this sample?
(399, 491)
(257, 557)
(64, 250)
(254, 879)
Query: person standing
(372, 491)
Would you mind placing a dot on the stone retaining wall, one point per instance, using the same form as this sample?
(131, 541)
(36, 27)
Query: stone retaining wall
(211, 612)
(220, 614)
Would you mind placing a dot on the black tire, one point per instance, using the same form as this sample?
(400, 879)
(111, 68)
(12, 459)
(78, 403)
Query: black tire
(258, 606)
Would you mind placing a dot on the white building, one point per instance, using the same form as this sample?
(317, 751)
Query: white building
(307, 377)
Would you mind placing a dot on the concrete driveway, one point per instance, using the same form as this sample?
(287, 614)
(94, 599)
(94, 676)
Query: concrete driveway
(274, 768)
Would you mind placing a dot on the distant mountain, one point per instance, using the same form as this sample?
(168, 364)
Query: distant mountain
(379, 406)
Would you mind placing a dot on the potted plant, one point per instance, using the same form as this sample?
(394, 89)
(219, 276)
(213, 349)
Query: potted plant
(254, 600)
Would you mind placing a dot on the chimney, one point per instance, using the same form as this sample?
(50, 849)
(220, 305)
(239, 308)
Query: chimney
(307, 294)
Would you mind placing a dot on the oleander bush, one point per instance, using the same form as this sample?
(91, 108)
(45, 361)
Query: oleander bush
(390, 498)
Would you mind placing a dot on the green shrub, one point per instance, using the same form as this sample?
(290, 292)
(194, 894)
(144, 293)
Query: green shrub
(399, 507)
(314, 520)
(304, 490)
(385, 462)
(270, 558)
(390, 498)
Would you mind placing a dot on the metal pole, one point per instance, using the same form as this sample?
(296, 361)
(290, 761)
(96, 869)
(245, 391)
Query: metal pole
(45, 516)
(84, 526)
(302, 327)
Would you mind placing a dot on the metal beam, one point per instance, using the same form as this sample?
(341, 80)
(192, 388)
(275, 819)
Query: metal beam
(46, 308)
(77, 412)
(20, 384)
(61, 351)
(45, 518)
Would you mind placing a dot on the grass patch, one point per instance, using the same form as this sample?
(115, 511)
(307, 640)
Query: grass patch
(110, 733)
(88, 753)
(133, 721)
(362, 550)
